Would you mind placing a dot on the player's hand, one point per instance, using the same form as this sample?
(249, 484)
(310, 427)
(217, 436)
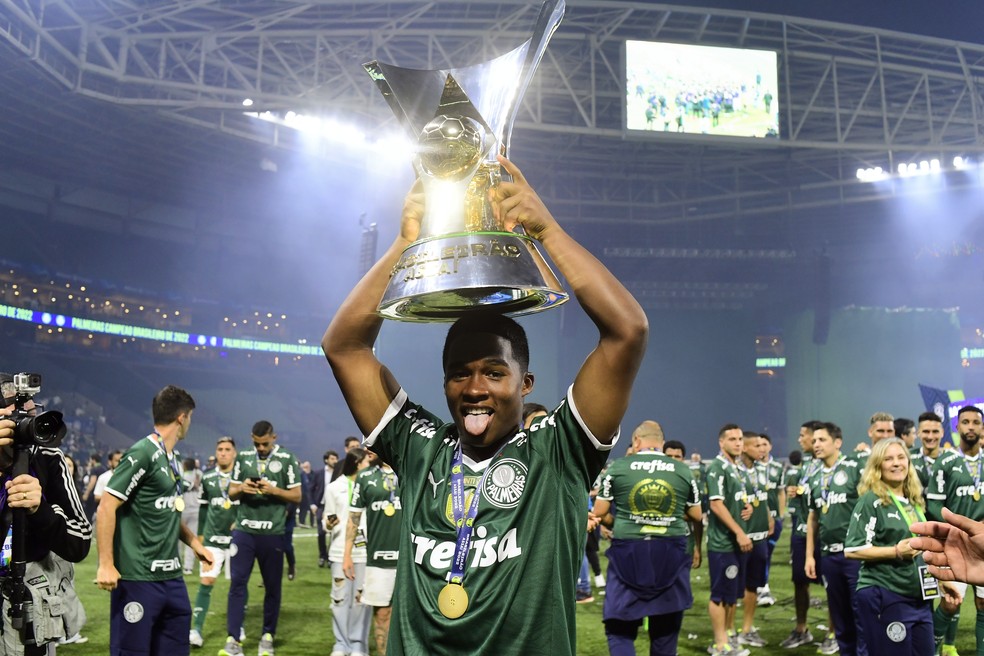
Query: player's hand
(747, 511)
(810, 567)
(348, 567)
(593, 521)
(516, 203)
(905, 550)
(204, 556)
(954, 551)
(744, 542)
(24, 492)
(791, 491)
(107, 577)
(249, 487)
(413, 212)
(951, 594)
(265, 487)
(695, 564)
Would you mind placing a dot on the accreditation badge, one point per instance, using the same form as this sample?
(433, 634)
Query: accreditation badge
(928, 584)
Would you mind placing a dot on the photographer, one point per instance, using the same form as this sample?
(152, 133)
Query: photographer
(54, 520)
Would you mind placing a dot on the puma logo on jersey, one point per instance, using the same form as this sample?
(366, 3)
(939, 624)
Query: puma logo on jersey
(434, 483)
(487, 551)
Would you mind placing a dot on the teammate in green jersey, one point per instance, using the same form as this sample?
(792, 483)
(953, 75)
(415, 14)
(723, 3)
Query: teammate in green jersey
(930, 429)
(957, 483)
(831, 493)
(264, 480)
(137, 531)
(216, 517)
(377, 494)
(758, 526)
(528, 487)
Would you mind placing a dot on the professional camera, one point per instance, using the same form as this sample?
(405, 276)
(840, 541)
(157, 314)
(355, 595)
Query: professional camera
(30, 427)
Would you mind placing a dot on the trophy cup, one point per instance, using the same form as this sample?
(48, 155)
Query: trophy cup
(460, 119)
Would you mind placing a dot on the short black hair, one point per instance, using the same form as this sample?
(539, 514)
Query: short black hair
(329, 454)
(812, 425)
(352, 438)
(726, 428)
(496, 324)
(765, 437)
(970, 408)
(533, 408)
(929, 416)
(832, 429)
(170, 403)
(262, 428)
(795, 458)
(903, 426)
(675, 444)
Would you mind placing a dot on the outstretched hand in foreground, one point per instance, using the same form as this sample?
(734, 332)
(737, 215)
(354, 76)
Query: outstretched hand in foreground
(954, 550)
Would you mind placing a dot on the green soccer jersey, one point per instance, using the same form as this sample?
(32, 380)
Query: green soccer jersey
(797, 504)
(527, 543)
(879, 524)
(148, 526)
(218, 511)
(652, 492)
(756, 480)
(832, 493)
(377, 493)
(956, 483)
(923, 465)
(261, 514)
(775, 483)
(724, 483)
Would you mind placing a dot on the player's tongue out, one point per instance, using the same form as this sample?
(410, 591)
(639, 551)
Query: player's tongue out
(477, 422)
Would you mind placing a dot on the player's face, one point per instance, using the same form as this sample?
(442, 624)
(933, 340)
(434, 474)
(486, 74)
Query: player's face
(824, 446)
(881, 430)
(731, 442)
(484, 387)
(895, 466)
(806, 439)
(969, 427)
(264, 445)
(909, 437)
(114, 460)
(750, 447)
(331, 461)
(930, 432)
(365, 462)
(676, 454)
(184, 422)
(225, 453)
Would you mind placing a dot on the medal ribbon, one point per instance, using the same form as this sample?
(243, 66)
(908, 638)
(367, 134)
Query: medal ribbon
(825, 482)
(908, 512)
(389, 481)
(464, 519)
(172, 466)
(807, 473)
(975, 471)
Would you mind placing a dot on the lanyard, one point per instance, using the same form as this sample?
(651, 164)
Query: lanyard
(172, 467)
(808, 472)
(464, 518)
(904, 512)
(389, 483)
(825, 484)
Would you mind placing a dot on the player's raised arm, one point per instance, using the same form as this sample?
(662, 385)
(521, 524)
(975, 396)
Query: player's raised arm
(367, 385)
(604, 382)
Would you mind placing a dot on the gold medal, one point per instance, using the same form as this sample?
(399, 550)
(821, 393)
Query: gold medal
(389, 510)
(755, 502)
(977, 495)
(800, 489)
(227, 504)
(825, 508)
(453, 601)
(179, 504)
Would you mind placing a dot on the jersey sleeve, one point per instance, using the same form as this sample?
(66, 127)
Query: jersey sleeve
(693, 498)
(60, 522)
(864, 523)
(293, 472)
(400, 432)
(937, 490)
(606, 491)
(237, 471)
(134, 464)
(715, 482)
(358, 502)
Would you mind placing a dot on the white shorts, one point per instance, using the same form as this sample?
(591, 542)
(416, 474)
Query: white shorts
(378, 588)
(962, 587)
(219, 556)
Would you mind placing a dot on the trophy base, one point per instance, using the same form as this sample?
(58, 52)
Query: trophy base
(446, 277)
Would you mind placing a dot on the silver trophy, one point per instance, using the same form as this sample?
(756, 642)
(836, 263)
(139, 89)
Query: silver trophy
(460, 119)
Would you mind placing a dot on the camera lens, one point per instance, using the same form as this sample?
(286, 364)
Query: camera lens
(46, 429)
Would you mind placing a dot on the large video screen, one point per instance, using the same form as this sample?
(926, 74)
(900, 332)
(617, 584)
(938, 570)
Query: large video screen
(690, 89)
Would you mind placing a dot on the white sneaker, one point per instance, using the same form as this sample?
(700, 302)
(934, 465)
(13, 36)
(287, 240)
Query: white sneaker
(599, 580)
(195, 638)
(242, 634)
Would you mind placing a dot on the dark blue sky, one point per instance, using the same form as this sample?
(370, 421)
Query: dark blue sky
(962, 20)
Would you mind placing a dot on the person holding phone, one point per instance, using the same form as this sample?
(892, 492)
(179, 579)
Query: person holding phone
(350, 618)
(265, 479)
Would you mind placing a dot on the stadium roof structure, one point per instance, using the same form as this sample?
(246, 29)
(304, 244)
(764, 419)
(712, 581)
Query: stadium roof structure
(139, 99)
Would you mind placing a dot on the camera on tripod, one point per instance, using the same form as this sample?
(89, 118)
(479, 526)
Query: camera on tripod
(30, 427)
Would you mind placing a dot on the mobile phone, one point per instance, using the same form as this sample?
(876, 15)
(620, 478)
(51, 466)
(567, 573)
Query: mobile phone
(333, 517)
(254, 479)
